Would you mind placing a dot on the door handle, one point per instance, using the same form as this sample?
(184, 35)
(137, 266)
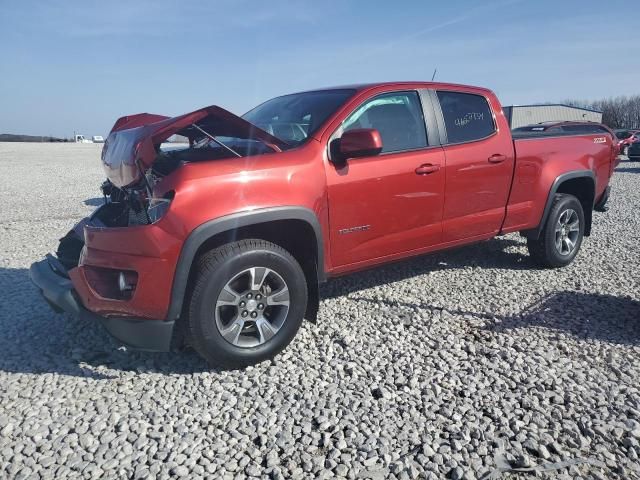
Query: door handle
(427, 168)
(497, 158)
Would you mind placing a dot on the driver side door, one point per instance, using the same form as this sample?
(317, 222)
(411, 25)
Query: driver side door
(388, 204)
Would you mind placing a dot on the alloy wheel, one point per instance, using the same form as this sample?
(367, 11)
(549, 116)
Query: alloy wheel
(252, 307)
(567, 231)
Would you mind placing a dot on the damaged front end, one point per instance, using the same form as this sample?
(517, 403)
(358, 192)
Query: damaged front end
(112, 267)
(134, 144)
(123, 207)
(135, 162)
(117, 265)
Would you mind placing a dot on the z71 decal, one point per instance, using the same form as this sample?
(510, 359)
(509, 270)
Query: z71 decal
(599, 140)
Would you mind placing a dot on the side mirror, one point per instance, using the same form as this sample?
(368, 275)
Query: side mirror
(360, 142)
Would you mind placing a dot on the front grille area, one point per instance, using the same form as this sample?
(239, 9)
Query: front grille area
(138, 218)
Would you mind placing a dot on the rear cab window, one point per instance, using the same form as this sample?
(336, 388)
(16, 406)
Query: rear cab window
(467, 116)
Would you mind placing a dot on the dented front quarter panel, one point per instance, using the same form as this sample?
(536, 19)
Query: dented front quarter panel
(291, 178)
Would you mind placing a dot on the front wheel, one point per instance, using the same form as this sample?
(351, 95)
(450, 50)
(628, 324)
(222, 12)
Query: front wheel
(561, 237)
(248, 302)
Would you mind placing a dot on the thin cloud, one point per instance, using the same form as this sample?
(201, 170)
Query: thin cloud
(471, 13)
(164, 18)
(373, 51)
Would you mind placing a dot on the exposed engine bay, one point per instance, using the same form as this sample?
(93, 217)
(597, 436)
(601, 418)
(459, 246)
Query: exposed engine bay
(135, 160)
(136, 205)
(134, 143)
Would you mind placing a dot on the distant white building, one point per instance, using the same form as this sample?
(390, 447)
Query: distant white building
(521, 115)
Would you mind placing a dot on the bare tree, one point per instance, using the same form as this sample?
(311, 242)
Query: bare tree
(617, 112)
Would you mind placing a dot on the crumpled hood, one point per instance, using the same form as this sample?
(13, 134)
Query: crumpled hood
(130, 148)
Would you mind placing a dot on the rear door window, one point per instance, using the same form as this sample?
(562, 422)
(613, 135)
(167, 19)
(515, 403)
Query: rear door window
(467, 117)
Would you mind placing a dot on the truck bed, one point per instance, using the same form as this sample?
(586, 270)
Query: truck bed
(549, 155)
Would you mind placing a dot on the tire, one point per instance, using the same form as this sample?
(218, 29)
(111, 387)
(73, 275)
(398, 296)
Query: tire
(256, 276)
(550, 249)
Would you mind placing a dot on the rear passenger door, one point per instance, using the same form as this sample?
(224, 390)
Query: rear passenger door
(479, 165)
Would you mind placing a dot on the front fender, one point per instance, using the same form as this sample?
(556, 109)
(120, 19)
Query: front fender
(232, 222)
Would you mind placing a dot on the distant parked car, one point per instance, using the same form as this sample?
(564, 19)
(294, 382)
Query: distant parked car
(626, 138)
(97, 139)
(633, 151)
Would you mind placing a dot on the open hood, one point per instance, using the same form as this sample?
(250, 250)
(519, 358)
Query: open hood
(131, 146)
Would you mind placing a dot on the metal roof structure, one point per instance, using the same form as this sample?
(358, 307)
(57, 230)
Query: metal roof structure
(522, 115)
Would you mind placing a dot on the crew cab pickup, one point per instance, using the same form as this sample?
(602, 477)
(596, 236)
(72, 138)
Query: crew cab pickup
(222, 244)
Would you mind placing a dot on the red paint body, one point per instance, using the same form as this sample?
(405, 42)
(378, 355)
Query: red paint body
(412, 202)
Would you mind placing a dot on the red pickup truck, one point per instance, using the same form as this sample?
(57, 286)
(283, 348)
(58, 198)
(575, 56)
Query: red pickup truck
(221, 242)
(626, 138)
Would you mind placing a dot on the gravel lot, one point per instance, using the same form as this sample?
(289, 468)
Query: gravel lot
(446, 366)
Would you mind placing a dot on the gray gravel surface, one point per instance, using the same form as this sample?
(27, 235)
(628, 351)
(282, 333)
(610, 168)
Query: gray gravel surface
(446, 366)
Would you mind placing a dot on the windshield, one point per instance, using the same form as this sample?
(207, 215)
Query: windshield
(294, 118)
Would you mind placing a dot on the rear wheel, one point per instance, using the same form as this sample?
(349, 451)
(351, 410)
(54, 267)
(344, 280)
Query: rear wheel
(247, 303)
(561, 237)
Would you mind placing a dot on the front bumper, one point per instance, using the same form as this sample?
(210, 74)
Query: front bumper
(56, 287)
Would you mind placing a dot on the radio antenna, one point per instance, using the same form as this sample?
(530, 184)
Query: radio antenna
(435, 70)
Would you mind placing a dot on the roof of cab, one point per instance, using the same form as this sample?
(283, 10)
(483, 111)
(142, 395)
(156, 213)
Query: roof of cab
(399, 84)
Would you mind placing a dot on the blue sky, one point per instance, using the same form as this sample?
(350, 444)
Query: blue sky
(70, 65)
